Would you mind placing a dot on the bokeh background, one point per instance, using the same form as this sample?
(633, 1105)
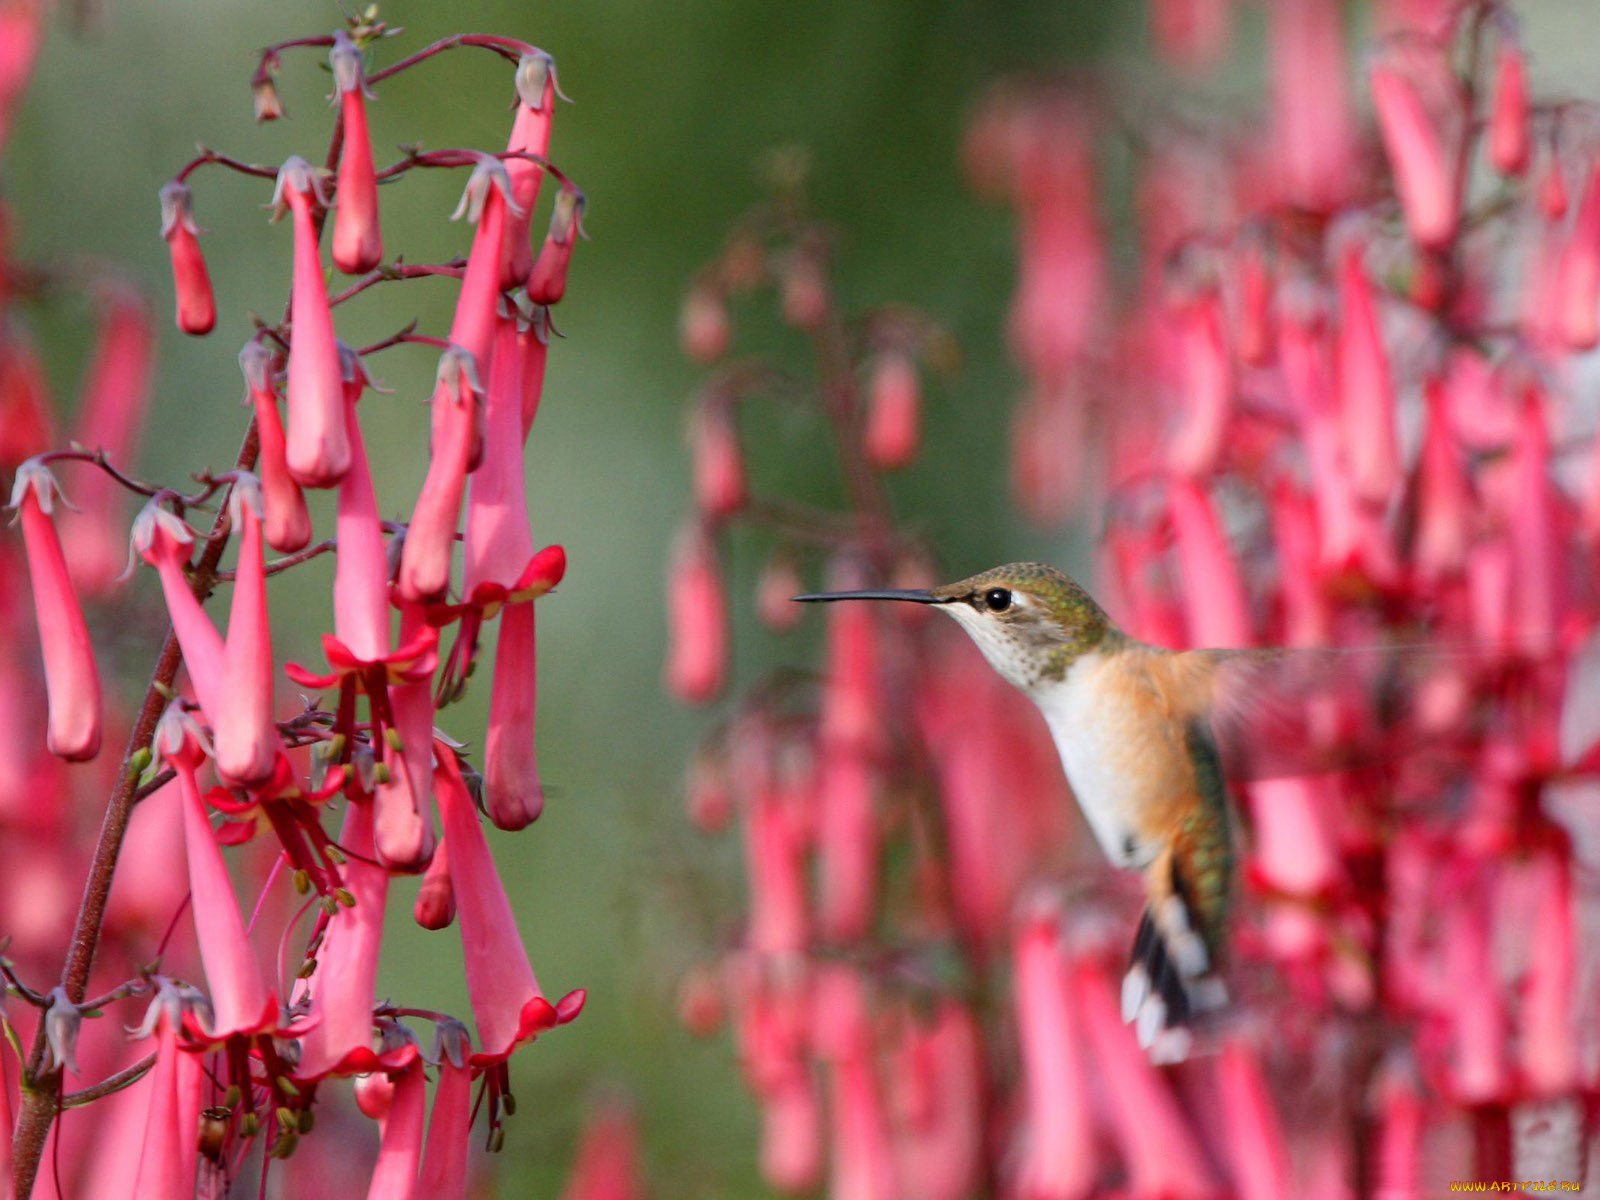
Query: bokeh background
(675, 106)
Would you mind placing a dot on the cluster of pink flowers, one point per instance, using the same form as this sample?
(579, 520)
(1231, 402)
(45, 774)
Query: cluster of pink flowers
(230, 1057)
(1337, 401)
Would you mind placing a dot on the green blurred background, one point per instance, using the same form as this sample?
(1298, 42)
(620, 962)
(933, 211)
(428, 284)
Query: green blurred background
(675, 104)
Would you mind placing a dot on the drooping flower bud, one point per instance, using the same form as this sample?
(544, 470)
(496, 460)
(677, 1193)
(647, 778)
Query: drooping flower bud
(191, 282)
(698, 619)
(1205, 375)
(243, 730)
(72, 682)
(530, 134)
(288, 524)
(357, 239)
(1508, 116)
(1419, 141)
(456, 426)
(894, 411)
(703, 327)
(1578, 277)
(719, 478)
(547, 282)
(318, 451)
(1366, 390)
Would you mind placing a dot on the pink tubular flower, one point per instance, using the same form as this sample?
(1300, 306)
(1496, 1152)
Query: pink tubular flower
(1214, 591)
(246, 737)
(1397, 1165)
(116, 390)
(774, 848)
(1258, 1155)
(862, 1166)
(1444, 500)
(72, 681)
(507, 1004)
(719, 479)
(1366, 391)
(607, 1166)
(318, 451)
(487, 200)
(444, 1160)
(1160, 1151)
(936, 1088)
(1549, 1042)
(21, 34)
(170, 1157)
(1205, 374)
(894, 411)
(1471, 1001)
(547, 282)
(697, 659)
(1419, 149)
(1312, 139)
(1508, 119)
(530, 134)
(357, 240)
(1578, 275)
(191, 282)
(288, 524)
(394, 1175)
(1058, 1160)
(456, 425)
(241, 1003)
(704, 330)
(164, 542)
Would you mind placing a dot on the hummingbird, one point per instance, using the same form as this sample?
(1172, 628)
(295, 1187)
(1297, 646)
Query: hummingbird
(1132, 724)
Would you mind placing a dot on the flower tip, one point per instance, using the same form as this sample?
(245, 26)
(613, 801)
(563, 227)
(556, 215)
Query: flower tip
(570, 1005)
(347, 62)
(177, 208)
(34, 476)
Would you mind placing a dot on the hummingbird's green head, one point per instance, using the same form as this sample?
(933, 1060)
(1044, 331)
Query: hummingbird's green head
(1030, 620)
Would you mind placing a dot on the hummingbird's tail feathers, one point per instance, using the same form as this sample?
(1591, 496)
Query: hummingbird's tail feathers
(1172, 978)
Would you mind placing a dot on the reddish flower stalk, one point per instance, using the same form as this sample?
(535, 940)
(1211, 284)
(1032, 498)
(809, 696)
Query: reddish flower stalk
(72, 681)
(357, 239)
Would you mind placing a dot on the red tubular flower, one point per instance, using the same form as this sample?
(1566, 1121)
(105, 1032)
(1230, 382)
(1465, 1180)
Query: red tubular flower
(1533, 517)
(530, 134)
(719, 479)
(1549, 1045)
(697, 605)
(862, 1164)
(513, 795)
(240, 1001)
(1366, 391)
(1252, 323)
(1397, 1166)
(1205, 375)
(357, 239)
(164, 542)
(1312, 140)
(191, 282)
(245, 734)
(1294, 850)
(1508, 117)
(318, 450)
(394, 1175)
(72, 682)
(1157, 1146)
(116, 390)
(507, 1004)
(21, 34)
(1213, 588)
(1474, 1011)
(338, 1037)
(936, 1092)
(1058, 1160)
(547, 282)
(769, 997)
(1419, 149)
(774, 848)
(403, 797)
(894, 411)
(288, 524)
(444, 1159)
(488, 201)
(457, 436)
(170, 1157)
(1578, 275)
(1258, 1156)
(607, 1166)
(1444, 499)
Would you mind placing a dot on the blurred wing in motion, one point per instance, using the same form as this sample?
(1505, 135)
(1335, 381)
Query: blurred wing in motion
(1279, 713)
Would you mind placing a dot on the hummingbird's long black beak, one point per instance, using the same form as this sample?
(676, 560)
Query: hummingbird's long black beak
(915, 595)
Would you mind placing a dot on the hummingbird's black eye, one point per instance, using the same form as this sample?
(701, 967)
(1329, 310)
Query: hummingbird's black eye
(997, 599)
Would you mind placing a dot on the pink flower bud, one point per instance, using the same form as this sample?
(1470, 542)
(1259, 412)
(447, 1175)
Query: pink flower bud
(1553, 197)
(1397, 1165)
(116, 390)
(1419, 150)
(169, 1157)
(246, 737)
(435, 906)
(513, 794)
(804, 290)
(530, 134)
(1444, 497)
(701, 1009)
(264, 95)
(1366, 391)
(697, 658)
(706, 790)
(1312, 143)
(456, 432)
(1578, 277)
(719, 480)
(318, 451)
(191, 282)
(1257, 1154)
(357, 240)
(1549, 1041)
(894, 404)
(444, 1161)
(703, 327)
(1508, 118)
(21, 35)
(72, 683)
(1205, 378)
(774, 847)
(165, 543)
(547, 282)
(288, 524)
(775, 592)
(1252, 325)
(1213, 588)
(487, 201)
(394, 1175)
(607, 1164)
